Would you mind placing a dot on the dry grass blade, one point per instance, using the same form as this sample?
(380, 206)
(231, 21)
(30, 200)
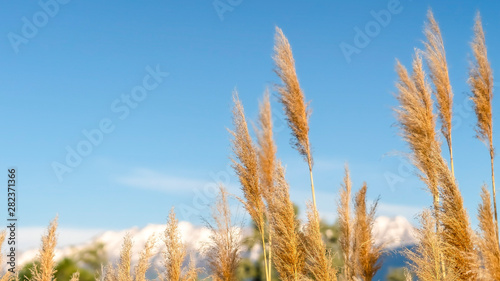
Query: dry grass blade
(124, 266)
(267, 164)
(288, 255)
(346, 227)
(246, 165)
(144, 259)
(192, 272)
(2, 239)
(487, 239)
(108, 273)
(175, 250)
(436, 60)
(8, 274)
(408, 276)
(267, 148)
(319, 263)
(75, 276)
(417, 122)
(223, 250)
(291, 96)
(45, 271)
(293, 100)
(455, 229)
(367, 253)
(481, 82)
(426, 258)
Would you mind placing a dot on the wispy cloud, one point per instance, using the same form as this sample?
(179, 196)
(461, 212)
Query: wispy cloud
(153, 180)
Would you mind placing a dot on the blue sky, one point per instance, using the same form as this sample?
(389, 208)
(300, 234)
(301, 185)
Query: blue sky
(72, 72)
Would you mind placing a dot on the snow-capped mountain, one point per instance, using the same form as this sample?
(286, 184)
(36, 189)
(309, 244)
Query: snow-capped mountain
(392, 232)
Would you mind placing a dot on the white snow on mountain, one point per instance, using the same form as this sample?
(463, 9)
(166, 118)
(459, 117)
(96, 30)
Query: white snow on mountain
(392, 232)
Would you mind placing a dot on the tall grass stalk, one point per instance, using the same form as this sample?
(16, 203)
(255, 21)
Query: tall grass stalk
(266, 153)
(175, 250)
(223, 249)
(426, 258)
(246, 165)
(46, 270)
(288, 257)
(291, 96)
(319, 262)
(144, 260)
(416, 120)
(367, 253)
(487, 238)
(481, 83)
(436, 60)
(346, 227)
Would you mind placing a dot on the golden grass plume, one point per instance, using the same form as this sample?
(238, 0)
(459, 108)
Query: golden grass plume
(416, 120)
(488, 244)
(346, 227)
(481, 83)
(8, 275)
(144, 259)
(319, 260)
(266, 147)
(288, 253)
(224, 248)
(458, 237)
(175, 251)
(297, 111)
(367, 253)
(266, 153)
(124, 265)
(75, 276)
(46, 270)
(245, 164)
(436, 60)
(291, 96)
(426, 259)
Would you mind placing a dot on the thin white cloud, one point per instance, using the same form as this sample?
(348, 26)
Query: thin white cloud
(149, 179)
